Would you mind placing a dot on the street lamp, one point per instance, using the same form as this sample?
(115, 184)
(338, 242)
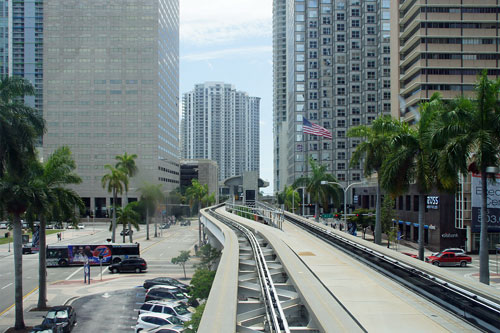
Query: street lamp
(293, 199)
(345, 189)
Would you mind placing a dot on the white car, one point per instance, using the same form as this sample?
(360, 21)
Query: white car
(81, 226)
(3, 225)
(153, 320)
(455, 250)
(167, 329)
(174, 308)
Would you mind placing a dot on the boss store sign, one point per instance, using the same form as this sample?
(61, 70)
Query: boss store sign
(432, 202)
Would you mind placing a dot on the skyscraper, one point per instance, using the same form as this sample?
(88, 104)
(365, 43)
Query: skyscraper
(441, 46)
(111, 86)
(337, 76)
(221, 123)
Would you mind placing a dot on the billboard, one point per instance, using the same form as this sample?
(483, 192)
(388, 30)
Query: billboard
(78, 254)
(493, 203)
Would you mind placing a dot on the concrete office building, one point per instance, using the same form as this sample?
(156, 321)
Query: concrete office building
(337, 75)
(221, 123)
(205, 171)
(111, 86)
(441, 46)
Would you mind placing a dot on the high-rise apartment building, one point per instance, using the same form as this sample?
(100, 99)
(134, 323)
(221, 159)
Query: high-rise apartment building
(220, 123)
(337, 75)
(441, 46)
(111, 86)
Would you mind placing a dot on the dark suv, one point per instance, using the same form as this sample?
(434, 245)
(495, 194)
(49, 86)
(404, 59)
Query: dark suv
(157, 293)
(129, 265)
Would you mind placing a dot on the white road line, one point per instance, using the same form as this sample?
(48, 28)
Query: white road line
(72, 274)
(8, 285)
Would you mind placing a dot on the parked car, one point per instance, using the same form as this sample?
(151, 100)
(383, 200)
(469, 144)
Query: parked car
(449, 259)
(53, 329)
(81, 226)
(173, 308)
(185, 222)
(137, 265)
(167, 281)
(453, 249)
(4, 224)
(165, 226)
(60, 317)
(166, 329)
(154, 320)
(157, 293)
(126, 232)
(70, 226)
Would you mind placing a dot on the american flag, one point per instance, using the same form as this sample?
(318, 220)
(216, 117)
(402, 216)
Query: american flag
(315, 129)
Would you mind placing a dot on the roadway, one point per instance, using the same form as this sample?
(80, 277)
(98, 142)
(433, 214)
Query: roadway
(157, 252)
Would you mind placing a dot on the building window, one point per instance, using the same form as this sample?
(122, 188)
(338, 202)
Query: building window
(408, 202)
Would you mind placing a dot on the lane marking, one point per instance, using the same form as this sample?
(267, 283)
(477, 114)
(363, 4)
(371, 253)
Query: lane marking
(10, 307)
(7, 285)
(73, 274)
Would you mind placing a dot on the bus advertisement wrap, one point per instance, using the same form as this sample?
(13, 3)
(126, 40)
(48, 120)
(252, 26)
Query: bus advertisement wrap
(77, 254)
(492, 200)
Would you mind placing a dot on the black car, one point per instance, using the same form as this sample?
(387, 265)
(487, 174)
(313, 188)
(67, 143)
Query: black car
(165, 281)
(59, 319)
(137, 265)
(168, 292)
(126, 232)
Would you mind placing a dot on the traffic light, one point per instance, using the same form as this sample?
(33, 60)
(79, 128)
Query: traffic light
(337, 216)
(357, 215)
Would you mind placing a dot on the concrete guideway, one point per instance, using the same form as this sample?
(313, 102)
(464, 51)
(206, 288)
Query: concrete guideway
(371, 300)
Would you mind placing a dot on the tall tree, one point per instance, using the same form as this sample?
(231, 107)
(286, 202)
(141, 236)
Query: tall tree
(152, 195)
(196, 195)
(468, 134)
(128, 216)
(319, 194)
(126, 162)
(16, 192)
(372, 150)
(116, 181)
(412, 160)
(53, 176)
(20, 125)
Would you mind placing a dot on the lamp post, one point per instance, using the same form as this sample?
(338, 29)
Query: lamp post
(293, 199)
(345, 189)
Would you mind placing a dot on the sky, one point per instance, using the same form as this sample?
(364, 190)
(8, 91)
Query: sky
(231, 41)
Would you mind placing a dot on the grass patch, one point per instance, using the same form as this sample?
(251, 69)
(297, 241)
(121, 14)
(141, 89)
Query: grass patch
(4, 240)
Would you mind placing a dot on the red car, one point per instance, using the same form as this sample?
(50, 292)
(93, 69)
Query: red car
(449, 259)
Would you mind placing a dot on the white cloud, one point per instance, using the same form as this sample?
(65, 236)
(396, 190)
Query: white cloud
(240, 51)
(217, 21)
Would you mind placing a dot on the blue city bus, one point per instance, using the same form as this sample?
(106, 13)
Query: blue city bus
(94, 254)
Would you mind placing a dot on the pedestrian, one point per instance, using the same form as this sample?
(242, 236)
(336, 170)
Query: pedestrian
(58, 236)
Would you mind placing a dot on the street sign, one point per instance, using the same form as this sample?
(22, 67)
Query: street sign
(326, 216)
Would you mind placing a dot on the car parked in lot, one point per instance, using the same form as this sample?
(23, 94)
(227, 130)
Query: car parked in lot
(185, 223)
(61, 318)
(165, 226)
(154, 320)
(166, 281)
(157, 293)
(449, 259)
(166, 329)
(137, 265)
(53, 329)
(4, 225)
(80, 226)
(174, 308)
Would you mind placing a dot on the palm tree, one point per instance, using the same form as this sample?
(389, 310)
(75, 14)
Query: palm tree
(16, 192)
(195, 194)
(116, 182)
(412, 160)
(468, 134)
(128, 216)
(151, 194)
(126, 162)
(319, 194)
(20, 125)
(54, 176)
(291, 198)
(373, 149)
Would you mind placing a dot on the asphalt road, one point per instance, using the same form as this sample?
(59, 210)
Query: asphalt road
(157, 254)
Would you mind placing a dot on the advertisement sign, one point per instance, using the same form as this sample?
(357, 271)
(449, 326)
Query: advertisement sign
(83, 253)
(432, 202)
(493, 203)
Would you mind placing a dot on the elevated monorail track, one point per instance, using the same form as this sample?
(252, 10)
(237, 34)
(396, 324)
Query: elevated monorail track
(477, 308)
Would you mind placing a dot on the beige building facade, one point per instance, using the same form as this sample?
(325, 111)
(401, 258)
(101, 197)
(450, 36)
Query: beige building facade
(440, 46)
